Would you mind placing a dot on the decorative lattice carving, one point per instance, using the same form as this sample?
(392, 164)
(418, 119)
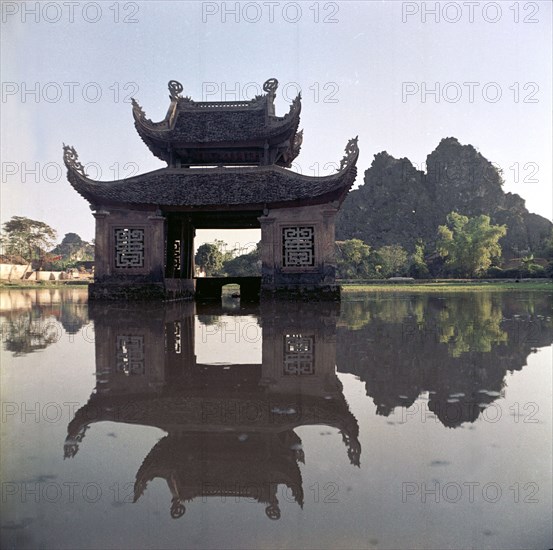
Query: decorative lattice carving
(130, 354)
(177, 331)
(298, 354)
(176, 254)
(129, 248)
(298, 246)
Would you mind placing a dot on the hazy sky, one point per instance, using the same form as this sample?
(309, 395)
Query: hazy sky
(364, 68)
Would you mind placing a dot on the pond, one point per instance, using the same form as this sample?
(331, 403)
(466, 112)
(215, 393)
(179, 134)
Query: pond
(392, 421)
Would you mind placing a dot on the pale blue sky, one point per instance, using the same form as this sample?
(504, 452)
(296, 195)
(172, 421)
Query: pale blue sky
(361, 61)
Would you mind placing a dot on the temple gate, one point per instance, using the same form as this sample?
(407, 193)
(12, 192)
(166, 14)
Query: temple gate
(227, 167)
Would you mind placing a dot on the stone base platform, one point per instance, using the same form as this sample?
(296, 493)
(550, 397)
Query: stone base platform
(170, 289)
(209, 289)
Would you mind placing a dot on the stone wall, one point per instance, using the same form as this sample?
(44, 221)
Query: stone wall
(130, 247)
(297, 251)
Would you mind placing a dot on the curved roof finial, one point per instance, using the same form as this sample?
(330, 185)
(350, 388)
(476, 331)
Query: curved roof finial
(175, 89)
(351, 152)
(273, 511)
(71, 160)
(178, 509)
(270, 86)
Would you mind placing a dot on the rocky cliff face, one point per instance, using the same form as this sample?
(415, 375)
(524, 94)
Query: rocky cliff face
(398, 204)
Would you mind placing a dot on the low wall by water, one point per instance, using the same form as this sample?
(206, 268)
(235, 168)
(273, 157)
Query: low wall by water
(48, 276)
(13, 271)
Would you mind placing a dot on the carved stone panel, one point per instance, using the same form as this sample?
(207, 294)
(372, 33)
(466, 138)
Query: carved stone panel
(298, 246)
(129, 248)
(298, 354)
(130, 354)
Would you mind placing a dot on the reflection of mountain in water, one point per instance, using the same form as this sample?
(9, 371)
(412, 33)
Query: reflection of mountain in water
(456, 347)
(230, 428)
(31, 319)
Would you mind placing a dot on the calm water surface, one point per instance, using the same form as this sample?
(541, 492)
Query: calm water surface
(397, 421)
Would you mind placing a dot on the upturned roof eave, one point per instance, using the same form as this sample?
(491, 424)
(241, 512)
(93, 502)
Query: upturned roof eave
(316, 189)
(334, 195)
(158, 136)
(161, 134)
(215, 170)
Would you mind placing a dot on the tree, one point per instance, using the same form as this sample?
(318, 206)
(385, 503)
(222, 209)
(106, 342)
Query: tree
(547, 247)
(418, 267)
(210, 258)
(393, 260)
(244, 265)
(353, 259)
(28, 238)
(469, 244)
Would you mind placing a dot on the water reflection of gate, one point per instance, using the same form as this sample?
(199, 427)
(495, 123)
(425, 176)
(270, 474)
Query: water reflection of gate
(230, 429)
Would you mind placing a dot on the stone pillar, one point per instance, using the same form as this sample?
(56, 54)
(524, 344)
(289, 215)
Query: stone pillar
(155, 252)
(267, 250)
(297, 252)
(328, 245)
(102, 263)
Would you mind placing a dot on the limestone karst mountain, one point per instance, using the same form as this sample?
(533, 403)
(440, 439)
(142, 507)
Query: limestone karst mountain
(398, 204)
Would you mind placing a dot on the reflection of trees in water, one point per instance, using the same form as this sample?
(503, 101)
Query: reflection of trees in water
(471, 323)
(73, 317)
(27, 332)
(35, 328)
(209, 320)
(456, 347)
(392, 309)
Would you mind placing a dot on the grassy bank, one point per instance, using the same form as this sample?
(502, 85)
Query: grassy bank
(448, 286)
(349, 288)
(26, 285)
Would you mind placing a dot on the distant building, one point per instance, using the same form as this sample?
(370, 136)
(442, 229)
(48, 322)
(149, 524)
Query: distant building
(226, 168)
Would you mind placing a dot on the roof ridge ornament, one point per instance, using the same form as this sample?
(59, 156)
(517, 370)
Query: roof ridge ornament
(71, 160)
(351, 152)
(175, 89)
(270, 86)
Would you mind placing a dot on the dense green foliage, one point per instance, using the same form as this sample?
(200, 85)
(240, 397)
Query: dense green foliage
(353, 260)
(209, 258)
(244, 265)
(465, 247)
(469, 244)
(357, 260)
(418, 267)
(392, 260)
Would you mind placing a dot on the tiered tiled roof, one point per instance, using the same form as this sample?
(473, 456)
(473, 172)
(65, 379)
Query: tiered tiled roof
(222, 464)
(246, 187)
(222, 133)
